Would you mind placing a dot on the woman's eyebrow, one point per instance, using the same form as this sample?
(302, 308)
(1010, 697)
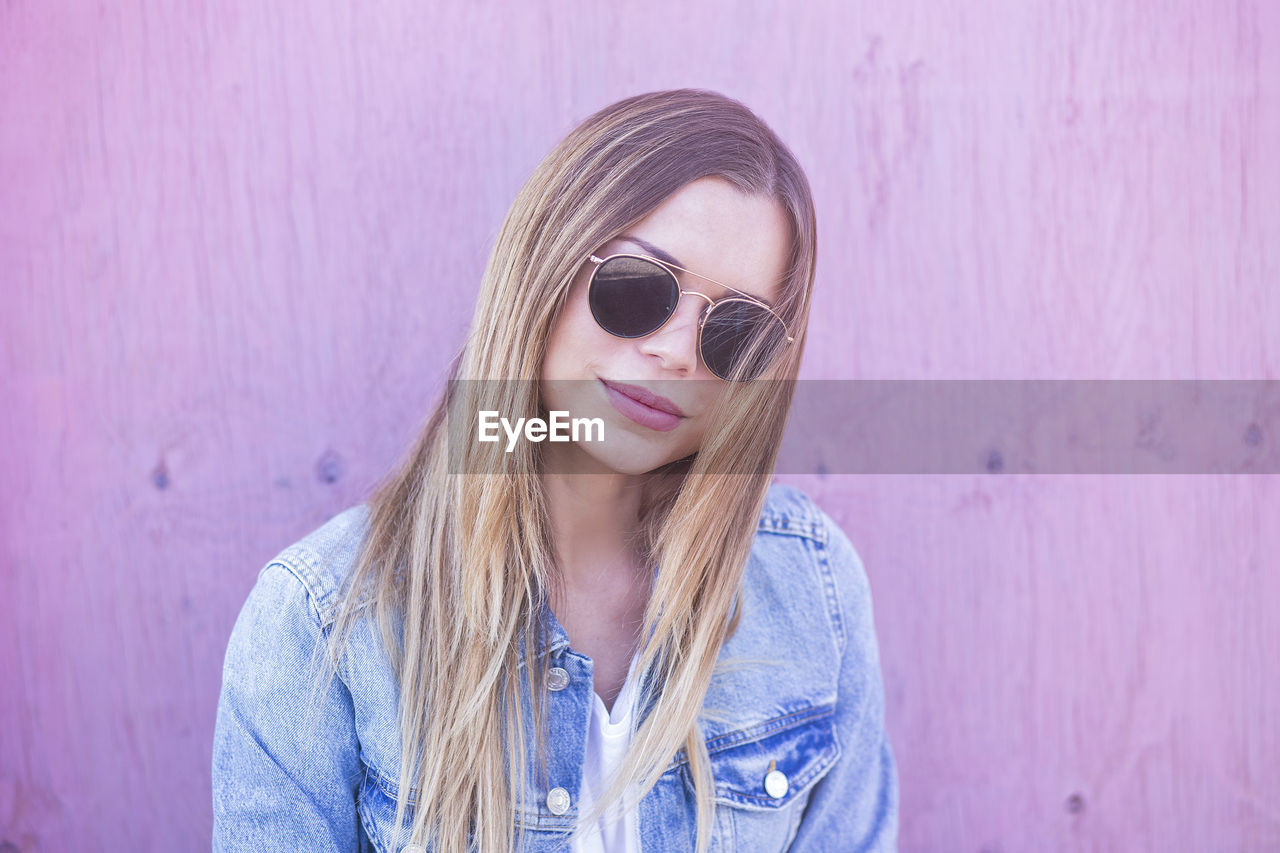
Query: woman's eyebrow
(669, 258)
(651, 249)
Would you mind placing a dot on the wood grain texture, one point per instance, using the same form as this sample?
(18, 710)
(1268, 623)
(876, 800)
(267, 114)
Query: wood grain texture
(238, 244)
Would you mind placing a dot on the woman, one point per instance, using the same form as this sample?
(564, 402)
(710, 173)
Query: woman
(631, 634)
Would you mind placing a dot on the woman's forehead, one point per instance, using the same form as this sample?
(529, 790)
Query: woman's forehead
(711, 228)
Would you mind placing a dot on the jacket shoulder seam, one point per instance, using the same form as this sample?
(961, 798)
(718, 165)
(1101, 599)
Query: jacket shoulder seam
(816, 525)
(302, 563)
(790, 512)
(787, 525)
(831, 593)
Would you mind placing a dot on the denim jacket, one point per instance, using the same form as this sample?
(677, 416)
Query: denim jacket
(801, 763)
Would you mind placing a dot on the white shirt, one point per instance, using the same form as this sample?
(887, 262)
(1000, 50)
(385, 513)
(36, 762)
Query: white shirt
(608, 735)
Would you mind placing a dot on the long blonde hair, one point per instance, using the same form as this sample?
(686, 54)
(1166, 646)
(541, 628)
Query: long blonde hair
(462, 562)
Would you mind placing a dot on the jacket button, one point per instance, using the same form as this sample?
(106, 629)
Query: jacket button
(557, 801)
(557, 679)
(775, 784)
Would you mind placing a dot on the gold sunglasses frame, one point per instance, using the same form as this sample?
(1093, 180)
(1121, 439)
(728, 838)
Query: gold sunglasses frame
(740, 296)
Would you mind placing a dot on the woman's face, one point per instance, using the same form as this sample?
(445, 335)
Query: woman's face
(710, 228)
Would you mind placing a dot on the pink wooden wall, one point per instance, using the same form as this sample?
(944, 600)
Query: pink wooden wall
(237, 243)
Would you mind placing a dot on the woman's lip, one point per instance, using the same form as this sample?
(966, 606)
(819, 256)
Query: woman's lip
(640, 412)
(644, 395)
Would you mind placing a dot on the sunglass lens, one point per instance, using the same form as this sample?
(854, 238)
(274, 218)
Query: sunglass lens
(740, 338)
(631, 297)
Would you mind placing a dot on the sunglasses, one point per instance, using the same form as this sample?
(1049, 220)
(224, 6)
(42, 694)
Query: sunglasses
(634, 295)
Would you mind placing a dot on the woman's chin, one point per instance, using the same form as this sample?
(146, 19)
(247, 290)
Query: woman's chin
(601, 459)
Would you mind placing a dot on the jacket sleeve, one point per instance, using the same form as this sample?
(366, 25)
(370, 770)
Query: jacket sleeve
(284, 777)
(855, 806)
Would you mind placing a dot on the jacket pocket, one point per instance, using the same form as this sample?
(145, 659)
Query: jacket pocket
(764, 776)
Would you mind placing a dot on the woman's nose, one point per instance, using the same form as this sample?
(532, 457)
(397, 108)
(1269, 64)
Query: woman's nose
(675, 345)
